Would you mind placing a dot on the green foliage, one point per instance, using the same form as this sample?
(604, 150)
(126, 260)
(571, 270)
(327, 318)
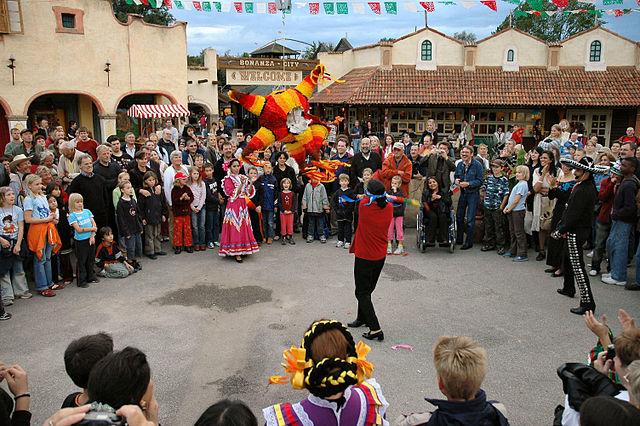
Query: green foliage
(159, 16)
(387, 39)
(196, 60)
(556, 27)
(465, 36)
(316, 47)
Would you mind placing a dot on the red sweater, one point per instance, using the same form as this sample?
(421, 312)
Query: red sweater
(370, 242)
(606, 195)
(89, 146)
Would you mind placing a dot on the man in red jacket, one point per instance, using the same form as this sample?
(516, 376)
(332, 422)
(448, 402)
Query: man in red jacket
(397, 164)
(630, 136)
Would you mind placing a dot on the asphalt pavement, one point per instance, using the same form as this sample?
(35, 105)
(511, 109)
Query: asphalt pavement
(213, 328)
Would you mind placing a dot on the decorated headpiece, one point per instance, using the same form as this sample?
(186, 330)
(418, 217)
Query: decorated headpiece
(328, 376)
(585, 164)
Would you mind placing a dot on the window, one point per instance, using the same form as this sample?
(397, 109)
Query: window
(426, 51)
(68, 20)
(595, 51)
(510, 55)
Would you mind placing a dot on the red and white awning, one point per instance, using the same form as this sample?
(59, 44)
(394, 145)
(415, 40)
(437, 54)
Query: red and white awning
(158, 111)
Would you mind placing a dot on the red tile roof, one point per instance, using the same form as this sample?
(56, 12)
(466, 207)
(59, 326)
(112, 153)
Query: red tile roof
(485, 86)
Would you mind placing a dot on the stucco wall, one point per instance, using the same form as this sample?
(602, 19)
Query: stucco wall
(616, 50)
(144, 58)
(205, 94)
(447, 52)
(529, 51)
(336, 64)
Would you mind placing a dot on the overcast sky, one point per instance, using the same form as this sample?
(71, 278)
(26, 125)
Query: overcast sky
(245, 32)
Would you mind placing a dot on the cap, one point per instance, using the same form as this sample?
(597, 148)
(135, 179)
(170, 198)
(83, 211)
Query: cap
(23, 131)
(181, 175)
(398, 145)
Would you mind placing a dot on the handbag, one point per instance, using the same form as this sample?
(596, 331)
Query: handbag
(546, 213)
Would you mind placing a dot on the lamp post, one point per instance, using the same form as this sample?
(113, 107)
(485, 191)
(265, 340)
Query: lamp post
(12, 67)
(107, 69)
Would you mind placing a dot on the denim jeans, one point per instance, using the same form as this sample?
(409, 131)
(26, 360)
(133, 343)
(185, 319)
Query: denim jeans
(212, 231)
(14, 283)
(618, 249)
(356, 145)
(316, 225)
(467, 208)
(134, 246)
(197, 227)
(42, 269)
(600, 245)
(268, 219)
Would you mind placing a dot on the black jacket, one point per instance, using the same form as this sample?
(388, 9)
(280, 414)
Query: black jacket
(152, 208)
(624, 203)
(344, 211)
(443, 173)
(128, 216)
(359, 163)
(94, 194)
(477, 411)
(398, 207)
(578, 215)
(19, 418)
(109, 173)
(212, 201)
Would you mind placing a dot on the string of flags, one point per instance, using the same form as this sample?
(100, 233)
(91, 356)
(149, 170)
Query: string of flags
(378, 7)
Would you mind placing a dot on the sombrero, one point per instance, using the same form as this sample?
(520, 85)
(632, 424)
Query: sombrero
(585, 164)
(17, 160)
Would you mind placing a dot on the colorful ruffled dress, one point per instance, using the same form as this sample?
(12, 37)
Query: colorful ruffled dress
(361, 404)
(237, 235)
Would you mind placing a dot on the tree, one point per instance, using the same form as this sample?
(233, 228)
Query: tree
(196, 60)
(387, 39)
(158, 16)
(464, 36)
(554, 27)
(316, 47)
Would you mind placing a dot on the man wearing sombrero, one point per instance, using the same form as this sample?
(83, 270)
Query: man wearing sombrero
(575, 227)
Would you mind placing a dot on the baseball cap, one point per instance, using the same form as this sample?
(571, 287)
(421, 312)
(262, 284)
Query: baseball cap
(398, 145)
(181, 175)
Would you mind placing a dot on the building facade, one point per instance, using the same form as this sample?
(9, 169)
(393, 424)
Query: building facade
(73, 60)
(511, 77)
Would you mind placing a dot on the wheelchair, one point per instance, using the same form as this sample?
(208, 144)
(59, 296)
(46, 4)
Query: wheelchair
(421, 234)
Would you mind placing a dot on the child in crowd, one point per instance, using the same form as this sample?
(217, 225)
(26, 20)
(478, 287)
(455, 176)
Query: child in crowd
(13, 283)
(79, 358)
(314, 203)
(396, 227)
(360, 188)
(181, 197)
(211, 206)
(288, 207)
(496, 194)
(436, 205)
(84, 226)
(343, 207)
(61, 267)
(117, 193)
(461, 366)
(269, 195)
(198, 163)
(254, 204)
(42, 237)
(515, 211)
(129, 223)
(153, 212)
(109, 258)
(198, 213)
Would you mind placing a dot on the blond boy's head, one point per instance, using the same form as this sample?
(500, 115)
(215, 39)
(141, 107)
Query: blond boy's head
(461, 365)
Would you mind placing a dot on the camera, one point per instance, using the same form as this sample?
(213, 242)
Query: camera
(611, 352)
(102, 414)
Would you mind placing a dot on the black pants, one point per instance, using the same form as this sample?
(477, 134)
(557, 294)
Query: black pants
(366, 274)
(576, 273)
(437, 225)
(494, 222)
(86, 257)
(344, 231)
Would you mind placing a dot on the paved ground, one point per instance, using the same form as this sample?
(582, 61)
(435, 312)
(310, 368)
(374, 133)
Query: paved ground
(214, 329)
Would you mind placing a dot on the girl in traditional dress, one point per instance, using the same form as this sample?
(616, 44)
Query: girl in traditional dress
(237, 236)
(336, 373)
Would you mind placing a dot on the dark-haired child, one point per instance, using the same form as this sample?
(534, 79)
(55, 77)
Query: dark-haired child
(109, 258)
(344, 211)
(129, 224)
(211, 205)
(61, 268)
(153, 212)
(79, 358)
(288, 206)
(181, 197)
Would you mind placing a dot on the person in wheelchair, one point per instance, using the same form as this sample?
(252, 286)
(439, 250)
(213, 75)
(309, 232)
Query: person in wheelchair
(436, 207)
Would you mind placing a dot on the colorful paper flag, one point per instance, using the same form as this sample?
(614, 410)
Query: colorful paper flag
(536, 4)
(342, 8)
(561, 3)
(206, 6)
(491, 4)
(248, 7)
(468, 4)
(238, 6)
(271, 8)
(167, 3)
(610, 2)
(218, 6)
(261, 7)
(375, 7)
(358, 8)
(328, 8)
(314, 8)
(391, 7)
(429, 6)
(197, 6)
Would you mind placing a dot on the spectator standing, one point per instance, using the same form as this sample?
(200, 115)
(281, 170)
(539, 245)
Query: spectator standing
(342, 203)
(269, 198)
(629, 136)
(13, 284)
(314, 203)
(168, 183)
(363, 160)
(287, 204)
(68, 165)
(84, 227)
(211, 205)
(496, 194)
(153, 212)
(603, 221)
(356, 135)
(468, 177)
(27, 148)
(85, 144)
(130, 224)
(397, 164)
(396, 227)
(515, 211)
(93, 190)
(198, 212)
(15, 141)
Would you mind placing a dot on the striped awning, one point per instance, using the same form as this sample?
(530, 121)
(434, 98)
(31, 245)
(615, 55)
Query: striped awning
(157, 111)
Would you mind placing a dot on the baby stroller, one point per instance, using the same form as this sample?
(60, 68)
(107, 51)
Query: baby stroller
(421, 235)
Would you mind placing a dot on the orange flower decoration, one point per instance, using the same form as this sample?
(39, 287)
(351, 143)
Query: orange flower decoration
(294, 365)
(365, 368)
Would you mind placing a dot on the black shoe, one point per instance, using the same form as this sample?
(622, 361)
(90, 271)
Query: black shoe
(189, 249)
(177, 250)
(160, 253)
(501, 251)
(355, 324)
(379, 335)
(581, 310)
(238, 259)
(488, 248)
(565, 293)
(93, 280)
(83, 285)
(151, 256)
(293, 243)
(550, 270)
(465, 247)
(283, 241)
(541, 256)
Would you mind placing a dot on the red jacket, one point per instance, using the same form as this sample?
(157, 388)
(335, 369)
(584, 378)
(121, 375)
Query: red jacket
(89, 146)
(370, 242)
(606, 196)
(390, 169)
